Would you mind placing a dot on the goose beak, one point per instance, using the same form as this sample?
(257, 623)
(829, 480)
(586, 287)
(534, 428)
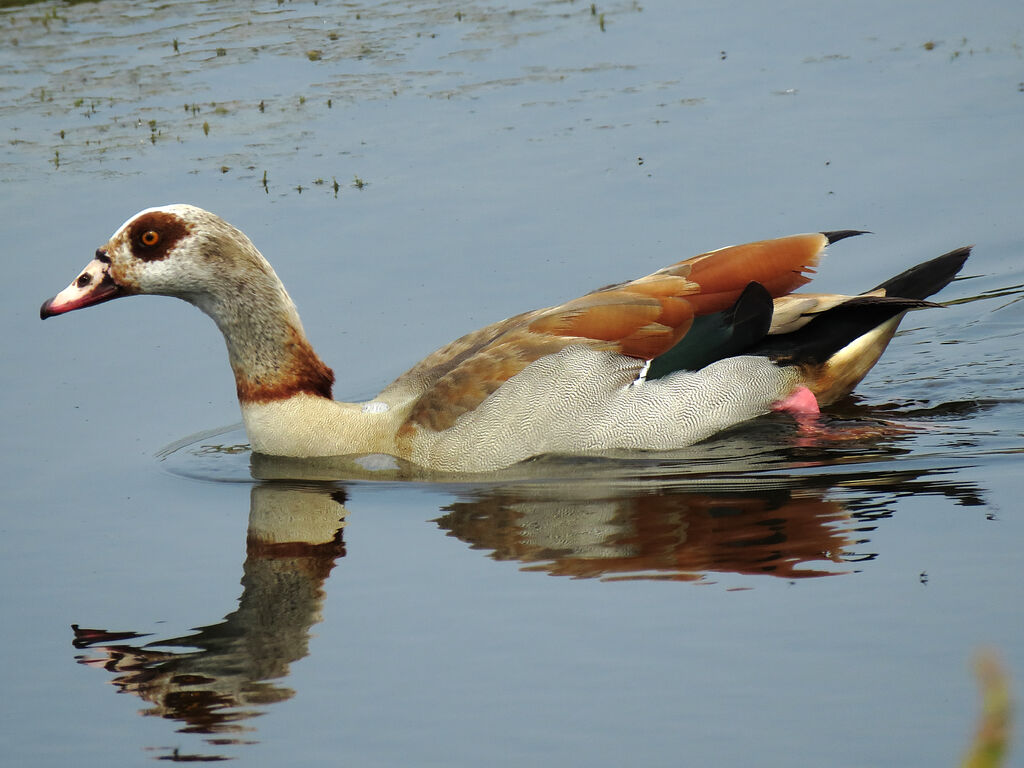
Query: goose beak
(93, 286)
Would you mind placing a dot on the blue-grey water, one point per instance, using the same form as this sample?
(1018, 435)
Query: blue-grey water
(415, 170)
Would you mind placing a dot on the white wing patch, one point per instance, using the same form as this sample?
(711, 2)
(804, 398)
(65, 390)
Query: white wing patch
(642, 376)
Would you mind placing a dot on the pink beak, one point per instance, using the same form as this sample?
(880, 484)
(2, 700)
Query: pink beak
(93, 286)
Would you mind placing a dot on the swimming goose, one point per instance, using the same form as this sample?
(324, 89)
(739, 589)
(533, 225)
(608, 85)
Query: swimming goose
(656, 363)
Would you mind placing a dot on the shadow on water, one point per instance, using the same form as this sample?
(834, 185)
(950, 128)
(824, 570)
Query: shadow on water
(794, 512)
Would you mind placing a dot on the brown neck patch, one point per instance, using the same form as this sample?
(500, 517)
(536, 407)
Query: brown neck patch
(302, 372)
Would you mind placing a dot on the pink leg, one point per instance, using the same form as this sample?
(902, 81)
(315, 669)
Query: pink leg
(801, 403)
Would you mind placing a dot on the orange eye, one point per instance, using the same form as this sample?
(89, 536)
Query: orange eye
(149, 238)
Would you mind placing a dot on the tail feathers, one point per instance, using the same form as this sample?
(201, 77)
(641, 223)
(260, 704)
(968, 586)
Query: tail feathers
(834, 329)
(834, 347)
(928, 278)
(835, 351)
(838, 347)
(722, 334)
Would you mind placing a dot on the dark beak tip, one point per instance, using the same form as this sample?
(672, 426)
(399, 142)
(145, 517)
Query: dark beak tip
(44, 311)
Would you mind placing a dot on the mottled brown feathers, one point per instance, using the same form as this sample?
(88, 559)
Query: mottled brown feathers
(302, 373)
(153, 235)
(468, 384)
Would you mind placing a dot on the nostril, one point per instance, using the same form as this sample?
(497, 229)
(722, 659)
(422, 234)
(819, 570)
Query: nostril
(83, 280)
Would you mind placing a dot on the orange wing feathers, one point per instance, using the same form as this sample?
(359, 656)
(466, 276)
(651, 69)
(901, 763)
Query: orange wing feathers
(779, 265)
(641, 324)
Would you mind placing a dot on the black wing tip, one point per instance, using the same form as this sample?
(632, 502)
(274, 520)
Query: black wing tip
(955, 259)
(929, 277)
(754, 305)
(841, 234)
(960, 253)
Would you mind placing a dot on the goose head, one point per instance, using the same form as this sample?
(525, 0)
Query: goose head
(172, 250)
(192, 254)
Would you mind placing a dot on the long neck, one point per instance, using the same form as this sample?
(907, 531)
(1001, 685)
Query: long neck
(269, 353)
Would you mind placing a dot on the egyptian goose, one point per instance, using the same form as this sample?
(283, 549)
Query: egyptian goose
(657, 363)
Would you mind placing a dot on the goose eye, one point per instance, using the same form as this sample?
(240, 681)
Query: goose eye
(149, 238)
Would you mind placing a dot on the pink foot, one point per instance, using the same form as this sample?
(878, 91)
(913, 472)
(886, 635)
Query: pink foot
(801, 403)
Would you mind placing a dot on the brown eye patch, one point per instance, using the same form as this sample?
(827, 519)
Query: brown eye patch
(154, 235)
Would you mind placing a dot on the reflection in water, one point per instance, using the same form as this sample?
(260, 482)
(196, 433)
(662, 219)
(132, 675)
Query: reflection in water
(800, 531)
(678, 536)
(214, 680)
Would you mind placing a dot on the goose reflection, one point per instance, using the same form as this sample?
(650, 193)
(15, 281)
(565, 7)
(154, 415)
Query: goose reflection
(796, 530)
(673, 536)
(214, 680)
